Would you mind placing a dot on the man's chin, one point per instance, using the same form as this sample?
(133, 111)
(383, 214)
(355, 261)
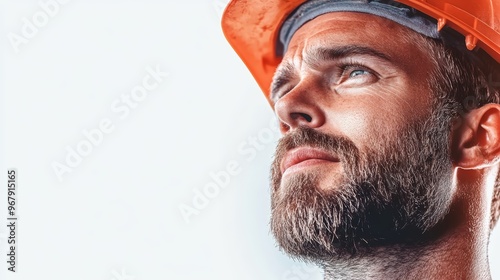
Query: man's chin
(323, 180)
(299, 209)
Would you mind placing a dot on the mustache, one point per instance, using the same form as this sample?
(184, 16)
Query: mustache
(342, 147)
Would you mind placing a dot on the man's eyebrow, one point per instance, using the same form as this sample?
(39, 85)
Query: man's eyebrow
(321, 54)
(318, 55)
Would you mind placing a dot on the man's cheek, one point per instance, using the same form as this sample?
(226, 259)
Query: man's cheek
(356, 124)
(401, 98)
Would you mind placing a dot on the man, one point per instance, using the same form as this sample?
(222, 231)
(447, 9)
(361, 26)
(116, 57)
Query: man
(388, 167)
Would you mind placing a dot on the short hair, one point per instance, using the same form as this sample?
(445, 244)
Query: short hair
(461, 81)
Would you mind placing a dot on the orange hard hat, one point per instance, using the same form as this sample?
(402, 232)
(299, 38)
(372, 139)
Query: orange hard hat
(252, 28)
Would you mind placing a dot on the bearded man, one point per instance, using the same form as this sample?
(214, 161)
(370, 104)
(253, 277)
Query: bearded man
(388, 167)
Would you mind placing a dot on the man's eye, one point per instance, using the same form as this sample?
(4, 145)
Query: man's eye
(355, 75)
(358, 72)
(282, 92)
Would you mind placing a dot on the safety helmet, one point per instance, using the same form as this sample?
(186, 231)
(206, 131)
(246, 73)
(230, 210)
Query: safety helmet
(252, 28)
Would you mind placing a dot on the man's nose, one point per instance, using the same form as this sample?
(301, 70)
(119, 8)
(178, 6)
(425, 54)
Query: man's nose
(300, 107)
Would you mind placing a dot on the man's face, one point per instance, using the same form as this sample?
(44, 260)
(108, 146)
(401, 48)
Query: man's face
(364, 160)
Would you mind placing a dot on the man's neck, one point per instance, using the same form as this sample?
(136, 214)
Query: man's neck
(456, 249)
(445, 261)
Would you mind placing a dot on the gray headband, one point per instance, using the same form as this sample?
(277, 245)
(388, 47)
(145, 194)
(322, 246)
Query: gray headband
(396, 12)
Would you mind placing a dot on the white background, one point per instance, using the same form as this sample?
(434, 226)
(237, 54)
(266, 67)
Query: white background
(116, 214)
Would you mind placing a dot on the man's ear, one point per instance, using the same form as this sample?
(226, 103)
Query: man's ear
(476, 142)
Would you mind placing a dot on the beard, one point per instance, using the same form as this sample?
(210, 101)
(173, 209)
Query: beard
(390, 194)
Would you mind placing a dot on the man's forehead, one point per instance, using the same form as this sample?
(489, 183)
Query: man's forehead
(348, 25)
(352, 32)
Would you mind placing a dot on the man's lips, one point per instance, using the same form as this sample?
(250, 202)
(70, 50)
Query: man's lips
(302, 154)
